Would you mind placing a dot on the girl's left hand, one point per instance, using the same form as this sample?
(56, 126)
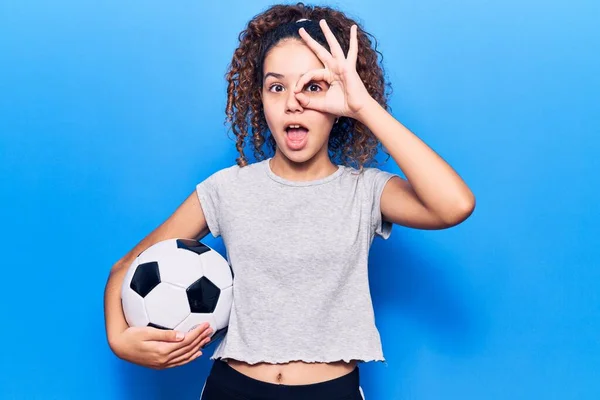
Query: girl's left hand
(347, 94)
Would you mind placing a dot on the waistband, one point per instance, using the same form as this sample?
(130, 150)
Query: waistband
(225, 376)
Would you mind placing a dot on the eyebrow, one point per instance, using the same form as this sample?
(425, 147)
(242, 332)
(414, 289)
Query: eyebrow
(274, 74)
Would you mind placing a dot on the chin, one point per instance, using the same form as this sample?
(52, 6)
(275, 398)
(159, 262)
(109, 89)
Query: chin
(299, 156)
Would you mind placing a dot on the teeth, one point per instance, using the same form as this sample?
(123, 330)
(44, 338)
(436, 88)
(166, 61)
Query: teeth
(293, 126)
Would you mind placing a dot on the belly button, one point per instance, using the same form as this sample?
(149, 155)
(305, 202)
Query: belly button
(279, 376)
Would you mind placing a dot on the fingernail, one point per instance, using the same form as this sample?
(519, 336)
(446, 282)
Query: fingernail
(180, 335)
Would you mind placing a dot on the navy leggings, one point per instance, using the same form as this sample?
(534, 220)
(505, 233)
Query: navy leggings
(225, 383)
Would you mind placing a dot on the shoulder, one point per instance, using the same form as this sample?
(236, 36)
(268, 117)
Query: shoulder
(232, 173)
(368, 175)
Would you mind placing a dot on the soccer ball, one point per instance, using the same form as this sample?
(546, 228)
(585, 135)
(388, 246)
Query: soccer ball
(178, 284)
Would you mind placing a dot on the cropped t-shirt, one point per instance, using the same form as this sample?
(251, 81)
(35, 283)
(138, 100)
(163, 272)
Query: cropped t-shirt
(299, 254)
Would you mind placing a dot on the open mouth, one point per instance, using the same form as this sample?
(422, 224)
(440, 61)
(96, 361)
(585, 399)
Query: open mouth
(296, 135)
(296, 130)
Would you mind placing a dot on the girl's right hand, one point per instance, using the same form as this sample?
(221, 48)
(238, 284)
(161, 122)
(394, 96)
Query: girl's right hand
(160, 349)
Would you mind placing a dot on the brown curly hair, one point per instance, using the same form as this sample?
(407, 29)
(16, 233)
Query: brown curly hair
(350, 142)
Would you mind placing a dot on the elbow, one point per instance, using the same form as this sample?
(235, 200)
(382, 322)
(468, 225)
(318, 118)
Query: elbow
(468, 205)
(460, 212)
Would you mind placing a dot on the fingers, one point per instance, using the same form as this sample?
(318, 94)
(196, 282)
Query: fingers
(185, 359)
(316, 75)
(190, 337)
(193, 346)
(334, 45)
(316, 47)
(190, 352)
(314, 102)
(353, 50)
(165, 335)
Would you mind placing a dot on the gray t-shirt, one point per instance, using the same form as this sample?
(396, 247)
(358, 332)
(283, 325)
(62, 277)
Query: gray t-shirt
(299, 252)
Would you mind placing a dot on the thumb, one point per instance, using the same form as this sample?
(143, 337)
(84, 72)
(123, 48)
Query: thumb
(311, 102)
(165, 335)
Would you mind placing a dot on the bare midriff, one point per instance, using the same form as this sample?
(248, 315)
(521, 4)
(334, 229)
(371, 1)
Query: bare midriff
(295, 372)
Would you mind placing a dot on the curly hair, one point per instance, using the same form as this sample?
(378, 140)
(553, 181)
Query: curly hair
(351, 143)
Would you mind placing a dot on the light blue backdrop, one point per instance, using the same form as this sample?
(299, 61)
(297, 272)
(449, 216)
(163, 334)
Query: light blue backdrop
(111, 112)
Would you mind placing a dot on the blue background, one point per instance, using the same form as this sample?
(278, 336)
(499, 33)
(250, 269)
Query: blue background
(111, 112)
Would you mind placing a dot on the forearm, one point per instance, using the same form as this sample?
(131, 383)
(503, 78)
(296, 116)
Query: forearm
(114, 319)
(434, 181)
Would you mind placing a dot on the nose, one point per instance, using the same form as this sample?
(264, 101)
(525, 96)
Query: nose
(291, 103)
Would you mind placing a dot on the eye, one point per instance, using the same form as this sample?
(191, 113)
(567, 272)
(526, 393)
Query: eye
(276, 88)
(313, 87)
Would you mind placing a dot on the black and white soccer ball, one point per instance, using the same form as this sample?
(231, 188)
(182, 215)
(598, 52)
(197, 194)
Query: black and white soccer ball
(179, 284)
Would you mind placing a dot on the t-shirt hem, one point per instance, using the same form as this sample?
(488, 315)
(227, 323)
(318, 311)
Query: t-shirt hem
(310, 360)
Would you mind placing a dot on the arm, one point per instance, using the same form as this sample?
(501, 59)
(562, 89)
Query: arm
(434, 196)
(187, 221)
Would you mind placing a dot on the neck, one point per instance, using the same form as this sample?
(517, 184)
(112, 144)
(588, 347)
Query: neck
(317, 167)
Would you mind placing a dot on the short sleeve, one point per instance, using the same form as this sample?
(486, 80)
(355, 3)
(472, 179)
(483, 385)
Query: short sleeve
(375, 181)
(209, 192)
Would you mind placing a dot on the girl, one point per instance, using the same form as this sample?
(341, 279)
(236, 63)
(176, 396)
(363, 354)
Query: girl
(298, 223)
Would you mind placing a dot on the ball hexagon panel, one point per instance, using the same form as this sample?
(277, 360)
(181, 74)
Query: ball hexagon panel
(134, 308)
(211, 263)
(154, 252)
(167, 305)
(145, 278)
(203, 296)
